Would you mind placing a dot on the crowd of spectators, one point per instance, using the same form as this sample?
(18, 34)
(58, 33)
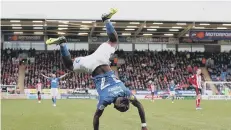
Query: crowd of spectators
(9, 67)
(136, 68)
(219, 68)
(159, 67)
(50, 62)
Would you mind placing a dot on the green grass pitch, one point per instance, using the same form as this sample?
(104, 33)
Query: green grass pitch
(78, 114)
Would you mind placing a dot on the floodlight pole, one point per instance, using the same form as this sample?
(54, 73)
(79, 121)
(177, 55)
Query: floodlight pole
(92, 29)
(182, 33)
(140, 28)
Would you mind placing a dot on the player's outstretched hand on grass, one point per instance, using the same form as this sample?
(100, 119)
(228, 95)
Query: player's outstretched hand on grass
(144, 128)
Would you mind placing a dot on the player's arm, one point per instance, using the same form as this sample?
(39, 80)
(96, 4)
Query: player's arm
(36, 86)
(192, 79)
(63, 76)
(97, 115)
(99, 111)
(45, 76)
(140, 108)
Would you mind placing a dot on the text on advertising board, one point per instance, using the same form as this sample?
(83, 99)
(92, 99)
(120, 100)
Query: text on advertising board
(210, 35)
(23, 38)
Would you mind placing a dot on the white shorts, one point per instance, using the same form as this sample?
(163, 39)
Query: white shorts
(172, 92)
(54, 91)
(100, 57)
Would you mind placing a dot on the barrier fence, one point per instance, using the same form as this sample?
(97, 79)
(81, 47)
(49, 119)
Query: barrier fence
(92, 94)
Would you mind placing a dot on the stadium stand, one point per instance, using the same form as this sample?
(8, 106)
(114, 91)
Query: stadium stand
(9, 67)
(48, 63)
(219, 67)
(161, 67)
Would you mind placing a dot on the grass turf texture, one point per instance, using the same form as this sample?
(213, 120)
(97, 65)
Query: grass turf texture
(78, 114)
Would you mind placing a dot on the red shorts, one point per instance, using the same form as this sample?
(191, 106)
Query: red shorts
(198, 91)
(38, 93)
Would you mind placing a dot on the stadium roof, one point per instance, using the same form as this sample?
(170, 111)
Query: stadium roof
(97, 28)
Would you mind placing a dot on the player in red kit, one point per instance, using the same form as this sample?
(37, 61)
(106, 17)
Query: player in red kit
(195, 80)
(39, 90)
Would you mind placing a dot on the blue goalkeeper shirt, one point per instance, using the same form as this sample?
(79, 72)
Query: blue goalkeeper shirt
(54, 82)
(109, 88)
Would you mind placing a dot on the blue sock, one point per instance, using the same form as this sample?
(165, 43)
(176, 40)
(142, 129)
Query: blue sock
(173, 98)
(109, 27)
(64, 50)
(53, 100)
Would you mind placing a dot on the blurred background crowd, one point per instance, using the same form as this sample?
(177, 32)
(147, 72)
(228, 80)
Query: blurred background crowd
(135, 68)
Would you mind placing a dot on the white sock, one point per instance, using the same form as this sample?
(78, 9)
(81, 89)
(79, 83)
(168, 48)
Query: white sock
(62, 44)
(107, 21)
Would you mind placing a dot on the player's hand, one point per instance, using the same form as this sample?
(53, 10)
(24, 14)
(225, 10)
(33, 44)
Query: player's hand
(144, 128)
(194, 86)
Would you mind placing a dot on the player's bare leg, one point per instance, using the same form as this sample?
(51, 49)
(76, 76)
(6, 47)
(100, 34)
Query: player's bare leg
(153, 98)
(66, 56)
(54, 100)
(198, 101)
(112, 34)
(39, 97)
(173, 97)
